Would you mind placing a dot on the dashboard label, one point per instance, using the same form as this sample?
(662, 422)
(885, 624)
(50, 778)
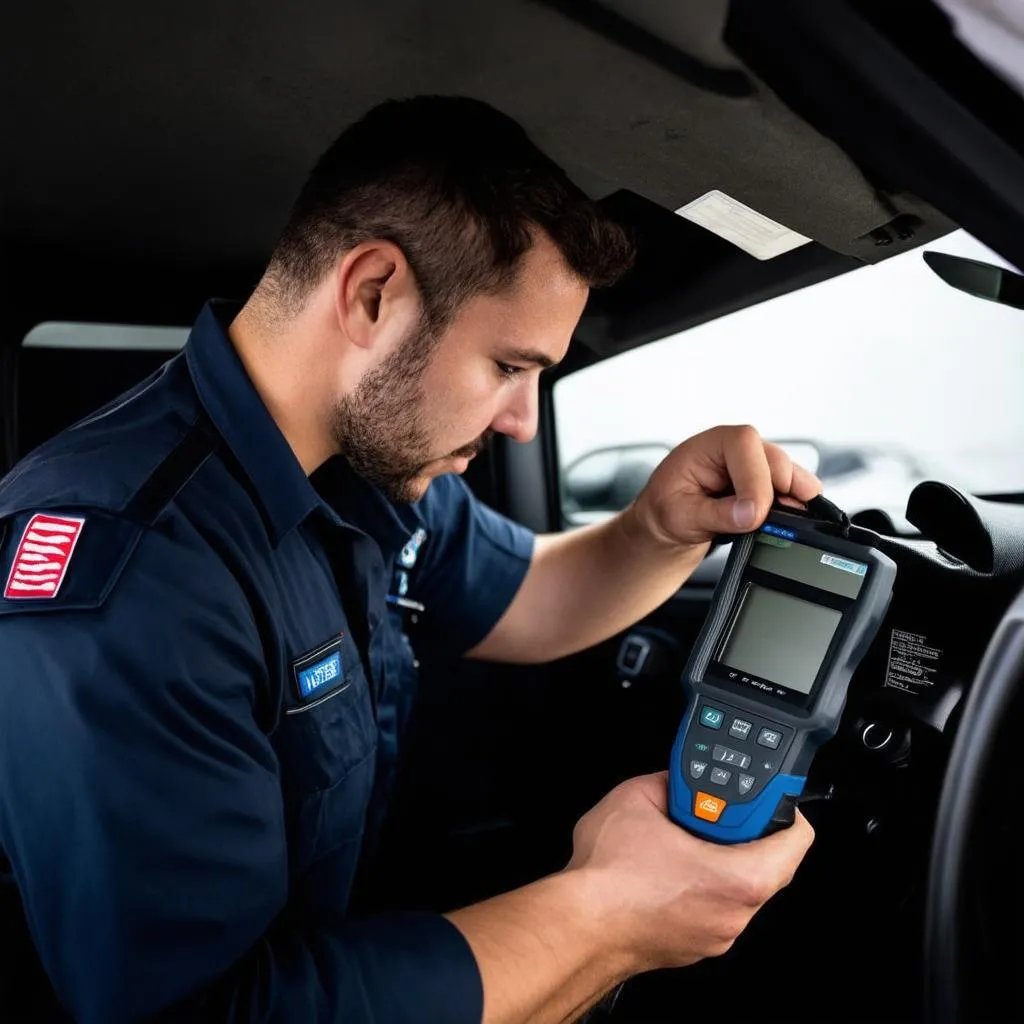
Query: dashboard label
(912, 662)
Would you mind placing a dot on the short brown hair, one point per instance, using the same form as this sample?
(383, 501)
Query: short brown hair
(459, 187)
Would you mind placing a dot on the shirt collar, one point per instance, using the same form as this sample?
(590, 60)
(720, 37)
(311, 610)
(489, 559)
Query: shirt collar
(363, 506)
(288, 496)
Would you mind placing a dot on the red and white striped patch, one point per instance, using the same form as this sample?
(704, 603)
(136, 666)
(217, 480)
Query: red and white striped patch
(43, 556)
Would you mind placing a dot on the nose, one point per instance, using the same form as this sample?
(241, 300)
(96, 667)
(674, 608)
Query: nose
(518, 416)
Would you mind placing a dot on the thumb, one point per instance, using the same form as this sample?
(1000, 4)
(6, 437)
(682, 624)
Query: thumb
(731, 514)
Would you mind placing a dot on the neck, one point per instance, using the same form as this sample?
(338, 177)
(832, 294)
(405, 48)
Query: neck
(285, 366)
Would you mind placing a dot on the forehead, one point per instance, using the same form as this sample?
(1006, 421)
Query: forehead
(543, 272)
(540, 310)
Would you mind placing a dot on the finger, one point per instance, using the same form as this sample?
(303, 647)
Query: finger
(790, 478)
(655, 788)
(805, 485)
(785, 499)
(776, 857)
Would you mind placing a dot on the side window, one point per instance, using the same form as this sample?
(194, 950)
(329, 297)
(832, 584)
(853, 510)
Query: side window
(67, 370)
(876, 380)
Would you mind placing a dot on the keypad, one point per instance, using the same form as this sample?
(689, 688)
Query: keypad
(735, 754)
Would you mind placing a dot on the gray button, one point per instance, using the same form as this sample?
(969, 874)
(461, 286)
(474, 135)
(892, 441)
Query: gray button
(719, 776)
(728, 756)
(697, 768)
(746, 783)
(769, 738)
(739, 729)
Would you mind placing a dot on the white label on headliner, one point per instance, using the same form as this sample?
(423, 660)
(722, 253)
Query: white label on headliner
(736, 222)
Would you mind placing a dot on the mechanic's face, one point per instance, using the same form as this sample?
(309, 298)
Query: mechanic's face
(434, 402)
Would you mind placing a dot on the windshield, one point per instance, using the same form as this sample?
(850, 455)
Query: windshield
(889, 373)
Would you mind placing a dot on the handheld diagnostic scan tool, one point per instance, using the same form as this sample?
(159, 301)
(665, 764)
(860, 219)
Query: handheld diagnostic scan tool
(797, 607)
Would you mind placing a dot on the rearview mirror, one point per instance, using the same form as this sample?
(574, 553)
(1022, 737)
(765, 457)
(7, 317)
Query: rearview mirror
(983, 280)
(606, 480)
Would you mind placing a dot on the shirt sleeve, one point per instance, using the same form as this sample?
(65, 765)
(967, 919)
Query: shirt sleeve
(472, 564)
(142, 815)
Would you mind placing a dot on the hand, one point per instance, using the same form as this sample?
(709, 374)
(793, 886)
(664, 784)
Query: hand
(681, 504)
(670, 898)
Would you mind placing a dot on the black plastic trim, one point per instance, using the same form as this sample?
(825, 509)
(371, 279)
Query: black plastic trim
(906, 130)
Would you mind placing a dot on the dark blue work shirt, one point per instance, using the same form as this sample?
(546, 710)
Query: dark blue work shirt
(202, 692)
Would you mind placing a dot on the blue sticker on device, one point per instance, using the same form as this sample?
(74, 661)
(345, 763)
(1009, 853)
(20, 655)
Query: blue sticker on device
(778, 531)
(320, 672)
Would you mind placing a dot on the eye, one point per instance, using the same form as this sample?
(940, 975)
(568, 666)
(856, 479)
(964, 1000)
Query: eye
(507, 371)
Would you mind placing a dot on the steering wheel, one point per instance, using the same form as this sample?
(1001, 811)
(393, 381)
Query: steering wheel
(990, 700)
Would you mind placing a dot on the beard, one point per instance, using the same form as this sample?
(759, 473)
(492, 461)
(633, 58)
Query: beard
(380, 427)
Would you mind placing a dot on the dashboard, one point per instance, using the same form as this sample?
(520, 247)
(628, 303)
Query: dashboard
(873, 790)
(958, 569)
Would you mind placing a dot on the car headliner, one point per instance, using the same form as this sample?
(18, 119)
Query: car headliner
(176, 135)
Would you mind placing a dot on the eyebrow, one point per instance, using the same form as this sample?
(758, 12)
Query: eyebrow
(530, 355)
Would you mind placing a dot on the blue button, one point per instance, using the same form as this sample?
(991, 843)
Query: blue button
(711, 717)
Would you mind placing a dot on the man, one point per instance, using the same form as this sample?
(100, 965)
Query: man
(203, 690)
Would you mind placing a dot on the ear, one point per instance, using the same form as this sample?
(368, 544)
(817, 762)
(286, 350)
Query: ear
(376, 298)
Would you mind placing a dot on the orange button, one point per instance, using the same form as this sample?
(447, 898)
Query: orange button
(708, 807)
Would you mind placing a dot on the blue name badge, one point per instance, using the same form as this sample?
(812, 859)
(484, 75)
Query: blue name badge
(320, 672)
